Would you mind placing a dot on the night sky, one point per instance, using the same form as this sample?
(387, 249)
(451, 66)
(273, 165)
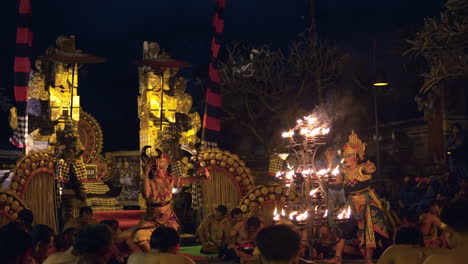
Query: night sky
(115, 29)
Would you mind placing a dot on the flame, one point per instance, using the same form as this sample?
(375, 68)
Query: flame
(322, 172)
(278, 174)
(336, 171)
(305, 172)
(283, 213)
(315, 210)
(291, 215)
(314, 132)
(325, 131)
(325, 214)
(345, 213)
(290, 174)
(299, 121)
(310, 120)
(287, 134)
(304, 131)
(276, 216)
(314, 191)
(303, 216)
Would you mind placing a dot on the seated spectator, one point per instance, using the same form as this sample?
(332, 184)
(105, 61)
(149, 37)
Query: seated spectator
(430, 225)
(409, 218)
(278, 244)
(164, 248)
(117, 256)
(43, 242)
(93, 244)
(84, 219)
(64, 244)
(455, 219)
(408, 248)
(407, 199)
(15, 245)
(208, 230)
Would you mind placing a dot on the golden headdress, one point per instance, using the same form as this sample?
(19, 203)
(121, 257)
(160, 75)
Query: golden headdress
(355, 146)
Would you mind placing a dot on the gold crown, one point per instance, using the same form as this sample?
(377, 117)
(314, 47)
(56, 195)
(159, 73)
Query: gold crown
(355, 146)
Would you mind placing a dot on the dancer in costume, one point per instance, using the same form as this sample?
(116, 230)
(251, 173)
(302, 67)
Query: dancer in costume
(366, 206)
(157, 190)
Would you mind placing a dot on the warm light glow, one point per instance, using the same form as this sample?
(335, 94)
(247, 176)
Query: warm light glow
(278, 174)
(276, 218)
(299, 121)
(345, 214)
(283, 213)
(381, 84)
(283, 156)
(291, 215)
(336, 171)
(314, 191)
(290, 174)
(304, 131)
(322, 172)
(325, 214)
(311, 120)
(303, 216)
(316, 208)
(325, 130)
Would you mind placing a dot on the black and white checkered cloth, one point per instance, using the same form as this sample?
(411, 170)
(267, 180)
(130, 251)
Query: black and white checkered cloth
(197, 196)
(19, 135)
(177, 168)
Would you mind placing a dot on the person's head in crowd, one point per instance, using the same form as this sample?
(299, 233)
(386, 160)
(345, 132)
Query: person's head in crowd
(456, 129)
(86, 214)
(165, 239)
(434, 209)
(455, 223)
(113, 224)
(65, 241)
(408, 179)
(15, 245)
(220, 212)
(94, 243)
(253, 224)
(25, 219)
(43, 239)
(278, 244)
(408, 236)
(236, 214)
(410, 218)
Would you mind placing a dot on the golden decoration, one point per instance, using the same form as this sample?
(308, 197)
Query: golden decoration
(355, 146)
(270, 193)
(13, 118)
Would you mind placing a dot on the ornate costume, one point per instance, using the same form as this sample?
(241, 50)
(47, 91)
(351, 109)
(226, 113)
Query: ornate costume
(366, 206)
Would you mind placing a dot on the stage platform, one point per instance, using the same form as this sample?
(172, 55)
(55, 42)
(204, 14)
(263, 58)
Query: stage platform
(126, 218)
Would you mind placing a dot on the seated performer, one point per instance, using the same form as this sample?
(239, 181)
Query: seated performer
(208, 229)
(157, 190)
(226, 225)
(455, 219)
(84, 219)
(430, 225)
(244, 234)
(366, 206)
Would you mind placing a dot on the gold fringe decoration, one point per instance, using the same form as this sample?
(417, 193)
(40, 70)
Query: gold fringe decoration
(219, 190)
(40, 198)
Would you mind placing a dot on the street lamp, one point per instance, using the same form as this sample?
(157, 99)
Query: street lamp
(378, 82)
